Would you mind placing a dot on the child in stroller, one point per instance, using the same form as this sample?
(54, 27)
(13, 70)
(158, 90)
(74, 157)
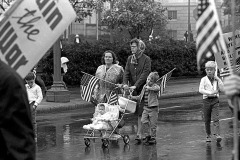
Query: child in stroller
(106, 121)
(102, 117)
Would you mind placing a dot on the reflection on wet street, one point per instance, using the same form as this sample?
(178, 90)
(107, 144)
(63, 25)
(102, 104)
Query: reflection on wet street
(62, 139)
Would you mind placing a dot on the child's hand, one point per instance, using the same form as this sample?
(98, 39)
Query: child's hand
(119, 85)
(217, 78)
(132, 88)
(214, 92)
(147, 88)
(34, 107)
(130, 97)
(125, 87)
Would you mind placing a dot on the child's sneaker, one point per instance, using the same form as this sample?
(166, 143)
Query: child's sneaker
(152, 141)
(208, 139)
(146, 139)
(138, 138)
(218, 138)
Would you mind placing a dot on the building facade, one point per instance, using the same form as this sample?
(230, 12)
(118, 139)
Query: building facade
(177, 13)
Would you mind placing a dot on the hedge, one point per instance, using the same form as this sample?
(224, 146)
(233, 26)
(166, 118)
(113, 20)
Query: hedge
(86, 57)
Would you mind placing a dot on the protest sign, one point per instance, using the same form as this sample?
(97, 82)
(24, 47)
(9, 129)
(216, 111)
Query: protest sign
(221, 58)
(29, 28)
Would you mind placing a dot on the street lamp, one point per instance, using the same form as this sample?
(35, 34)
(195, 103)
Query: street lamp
(57, 92)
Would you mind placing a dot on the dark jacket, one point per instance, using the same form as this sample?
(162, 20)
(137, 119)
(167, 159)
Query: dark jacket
(136, 74)
(16, 130)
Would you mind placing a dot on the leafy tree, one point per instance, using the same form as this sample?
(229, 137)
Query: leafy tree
(135, 16)
(83, 8)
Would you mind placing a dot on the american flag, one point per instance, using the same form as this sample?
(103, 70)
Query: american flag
(226, 72)
(113, 98)
(163, 81)
(210, 39)
(88, 83)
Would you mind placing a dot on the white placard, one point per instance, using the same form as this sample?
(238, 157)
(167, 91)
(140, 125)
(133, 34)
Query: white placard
(29, 28)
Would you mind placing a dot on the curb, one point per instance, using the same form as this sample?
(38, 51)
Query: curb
(64, 107)
(80, 104)
(177, 95)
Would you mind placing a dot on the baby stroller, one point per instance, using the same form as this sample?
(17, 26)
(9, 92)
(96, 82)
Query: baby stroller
(111, 122)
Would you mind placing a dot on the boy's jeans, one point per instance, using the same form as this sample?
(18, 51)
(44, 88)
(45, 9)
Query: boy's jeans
(149, 118)
(210, 108)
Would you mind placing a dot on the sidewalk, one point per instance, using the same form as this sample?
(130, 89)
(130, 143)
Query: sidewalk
(175, 88)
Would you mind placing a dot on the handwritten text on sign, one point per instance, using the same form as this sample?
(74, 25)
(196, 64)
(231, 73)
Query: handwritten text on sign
(31, 30)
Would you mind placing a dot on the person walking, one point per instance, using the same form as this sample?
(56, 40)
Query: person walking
(149, 100)
(186, 36)
(136, 71)
(210, 86)
(35, 97)
(16, 130)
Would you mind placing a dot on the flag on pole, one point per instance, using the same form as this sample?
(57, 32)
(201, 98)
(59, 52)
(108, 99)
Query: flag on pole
(226, 72)
(210, 39)
(88, 83)
(113, 98)
(163, 81)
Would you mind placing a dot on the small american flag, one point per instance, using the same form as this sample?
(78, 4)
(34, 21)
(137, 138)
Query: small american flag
(163, 81)
(113, 98)
(88, 83)
(209, 40)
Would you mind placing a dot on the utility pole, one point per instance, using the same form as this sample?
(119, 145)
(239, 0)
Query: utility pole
(189, 24)
(111, 30)
(97, 25)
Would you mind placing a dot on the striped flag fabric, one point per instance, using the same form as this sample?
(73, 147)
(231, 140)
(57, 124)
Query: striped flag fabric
(163, 81)
(209, 39)
(88, 83)
(226, 72)
(113, 98)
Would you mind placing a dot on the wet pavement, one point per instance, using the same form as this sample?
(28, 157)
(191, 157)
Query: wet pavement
(60, 136)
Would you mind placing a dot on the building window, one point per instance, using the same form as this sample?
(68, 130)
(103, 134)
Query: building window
(172, 15)
(172, 34)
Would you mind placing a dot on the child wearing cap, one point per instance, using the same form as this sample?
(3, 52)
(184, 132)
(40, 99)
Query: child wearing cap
(148, 98)
(209, 87)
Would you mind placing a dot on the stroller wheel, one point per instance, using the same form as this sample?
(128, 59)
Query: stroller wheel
(105, 142)
(87, 141)
(126, 139)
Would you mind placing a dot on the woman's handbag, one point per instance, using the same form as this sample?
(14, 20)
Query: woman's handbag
(127, 104)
